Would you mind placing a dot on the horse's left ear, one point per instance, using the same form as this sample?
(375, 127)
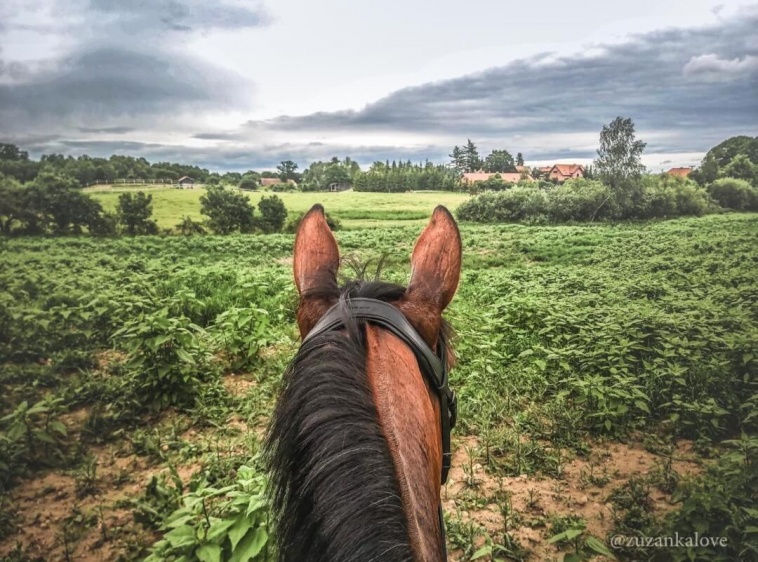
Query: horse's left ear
(436, 262)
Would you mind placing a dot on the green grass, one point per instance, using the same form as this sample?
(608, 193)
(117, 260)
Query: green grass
(354, 209)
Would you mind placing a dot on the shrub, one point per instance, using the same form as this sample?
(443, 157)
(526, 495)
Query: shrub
(248, 184)
(227, 210)
(733, 193)
(581, 200)
(273, 214)
(134, 212)
(515, 204)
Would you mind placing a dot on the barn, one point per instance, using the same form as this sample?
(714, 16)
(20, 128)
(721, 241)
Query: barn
(186, 182)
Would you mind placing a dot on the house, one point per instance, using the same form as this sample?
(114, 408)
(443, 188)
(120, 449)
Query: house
(563, 172)
(510, 177)
(680, 172)
(339, 186)
(544, 171)
(186, 182)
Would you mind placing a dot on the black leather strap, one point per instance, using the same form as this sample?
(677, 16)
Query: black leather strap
(433, 366)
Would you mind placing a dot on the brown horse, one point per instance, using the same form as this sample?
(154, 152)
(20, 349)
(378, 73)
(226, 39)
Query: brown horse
(355, 445)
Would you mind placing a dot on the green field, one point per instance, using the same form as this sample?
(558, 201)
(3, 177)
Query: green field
(354, 210)
(607, 378)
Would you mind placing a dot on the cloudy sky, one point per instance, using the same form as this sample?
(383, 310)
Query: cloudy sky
(239, 84)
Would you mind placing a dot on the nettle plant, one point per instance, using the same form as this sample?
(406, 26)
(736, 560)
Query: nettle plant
(32, 436)
(240, 333)
(215, 524)
(168, 358)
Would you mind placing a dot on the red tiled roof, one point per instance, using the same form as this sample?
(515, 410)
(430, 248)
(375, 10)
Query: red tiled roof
(679, 172)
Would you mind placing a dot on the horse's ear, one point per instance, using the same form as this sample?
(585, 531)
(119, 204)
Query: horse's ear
(317, 257)
(436, 262)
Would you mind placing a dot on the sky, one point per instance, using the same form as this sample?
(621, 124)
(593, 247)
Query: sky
(239, 84)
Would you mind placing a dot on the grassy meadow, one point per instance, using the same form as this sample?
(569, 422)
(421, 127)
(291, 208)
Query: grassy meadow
(355, 210)
(607, 378)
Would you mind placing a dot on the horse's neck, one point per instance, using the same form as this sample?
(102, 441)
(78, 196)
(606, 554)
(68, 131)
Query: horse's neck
(409, 414)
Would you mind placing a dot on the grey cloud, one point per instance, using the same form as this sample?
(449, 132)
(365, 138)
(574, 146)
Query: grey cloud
(124, 65)
(654, 78)
(137, 16)
(112, 130)
(110, 82)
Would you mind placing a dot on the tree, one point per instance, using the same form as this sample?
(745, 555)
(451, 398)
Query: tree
(273, 214)
(499, 161)
(708, 172)
(457, 159)
(134, 212)
(519, 159)
(619, 164)
(742, 168)
(13, 208)
(226, 210)
(335, 173)
(287, 170)
(471, 160)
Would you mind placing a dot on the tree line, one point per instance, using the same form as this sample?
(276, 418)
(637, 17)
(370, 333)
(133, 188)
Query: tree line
(620, 188)
(55, 205)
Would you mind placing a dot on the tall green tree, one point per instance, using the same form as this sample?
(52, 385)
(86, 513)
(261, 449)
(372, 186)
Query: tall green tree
(619, 161)
(288, 171)
(471, 160)
(499, 161)
(457, 159)
(134, 212)
(519, 159)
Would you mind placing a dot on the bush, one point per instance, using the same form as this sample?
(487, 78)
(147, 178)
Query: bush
(735, 194)
(248, 184)
(588, 200)
(134, 212)
(581, 200)
(273, 214)
(519, 203)
(227, 210)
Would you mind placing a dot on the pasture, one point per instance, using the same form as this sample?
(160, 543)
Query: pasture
(355, 210)
(607, 379)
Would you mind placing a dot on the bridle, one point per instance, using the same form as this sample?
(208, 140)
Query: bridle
(433, 365)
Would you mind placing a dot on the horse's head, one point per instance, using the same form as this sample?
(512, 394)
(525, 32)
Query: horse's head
(357, 439)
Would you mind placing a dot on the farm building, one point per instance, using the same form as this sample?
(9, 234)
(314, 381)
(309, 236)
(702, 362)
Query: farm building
(680, 172)
(186, 182)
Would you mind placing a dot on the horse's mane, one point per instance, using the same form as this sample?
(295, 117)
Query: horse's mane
(334, 492)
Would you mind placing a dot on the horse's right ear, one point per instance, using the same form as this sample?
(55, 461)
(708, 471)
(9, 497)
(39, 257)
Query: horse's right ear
(316, 261)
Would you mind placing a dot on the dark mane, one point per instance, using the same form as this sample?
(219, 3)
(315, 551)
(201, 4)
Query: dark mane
(334, 490)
